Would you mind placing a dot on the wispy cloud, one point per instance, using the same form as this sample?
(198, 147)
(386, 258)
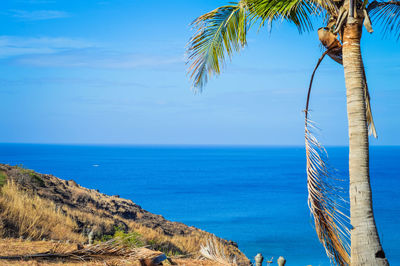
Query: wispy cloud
(37, 14)
(71, 53)
(37, 1)
(18, 46)
(97, 58)
(88, 82)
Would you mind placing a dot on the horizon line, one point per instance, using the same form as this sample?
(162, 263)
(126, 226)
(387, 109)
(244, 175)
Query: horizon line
(180, 145)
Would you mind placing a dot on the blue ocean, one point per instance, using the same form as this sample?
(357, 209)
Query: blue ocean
(255, 196)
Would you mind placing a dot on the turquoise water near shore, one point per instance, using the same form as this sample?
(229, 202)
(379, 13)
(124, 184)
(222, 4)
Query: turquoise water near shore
(255, 196)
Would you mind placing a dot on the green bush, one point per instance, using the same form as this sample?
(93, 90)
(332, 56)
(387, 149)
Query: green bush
(132, 239)
(105, 238)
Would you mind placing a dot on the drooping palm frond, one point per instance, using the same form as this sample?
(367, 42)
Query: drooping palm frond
(219, 33)
(298, 12)
(326, 200)
(387, 14)
(325, 195)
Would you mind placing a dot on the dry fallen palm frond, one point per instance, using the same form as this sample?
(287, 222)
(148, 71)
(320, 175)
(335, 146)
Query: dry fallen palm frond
(112, 248)
(212, 251)
(325, 195)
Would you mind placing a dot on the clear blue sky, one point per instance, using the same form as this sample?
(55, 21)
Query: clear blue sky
(113, 72)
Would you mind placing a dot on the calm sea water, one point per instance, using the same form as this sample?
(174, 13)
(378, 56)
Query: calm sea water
(254, 196)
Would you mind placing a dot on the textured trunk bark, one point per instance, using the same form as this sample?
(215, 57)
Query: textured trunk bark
(366, 248)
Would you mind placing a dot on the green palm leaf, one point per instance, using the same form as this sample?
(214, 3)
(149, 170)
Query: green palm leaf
(298, 12)
(387, 14)
(219, 33)
(223, 31)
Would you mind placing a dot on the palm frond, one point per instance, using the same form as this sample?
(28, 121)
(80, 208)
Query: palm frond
(298, 12)
(219, 33)
(325, 195)
(213, 251)
(223, 31)
(387, 14)
(326, 200)
(101, 252)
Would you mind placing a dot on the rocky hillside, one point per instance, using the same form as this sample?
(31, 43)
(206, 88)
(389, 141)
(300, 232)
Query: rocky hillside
(88, 211)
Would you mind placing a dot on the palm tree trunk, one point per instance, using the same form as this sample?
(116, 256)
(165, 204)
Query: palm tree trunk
(366, 248)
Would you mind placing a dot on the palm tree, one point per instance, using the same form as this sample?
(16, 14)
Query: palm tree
(223, 31)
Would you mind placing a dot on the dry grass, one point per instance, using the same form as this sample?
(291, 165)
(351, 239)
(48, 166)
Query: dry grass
(32, 217)
(97, 221)
(36, 218)
(187, 245)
